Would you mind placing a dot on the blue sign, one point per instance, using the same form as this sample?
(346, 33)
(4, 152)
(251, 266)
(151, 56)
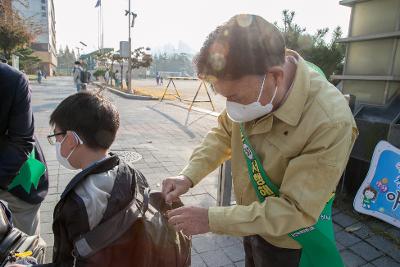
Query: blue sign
(379, 194)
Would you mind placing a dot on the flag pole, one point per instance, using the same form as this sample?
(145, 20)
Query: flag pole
(102, 26)
(98, 29)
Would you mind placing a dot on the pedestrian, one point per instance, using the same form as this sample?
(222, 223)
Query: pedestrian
(77, 73)
(288, 133)
(22, 191)
(39, 76)
(44, 75)
(158, 78)
(117, 77)
(161, 80)
(107, 76)
(126, 79)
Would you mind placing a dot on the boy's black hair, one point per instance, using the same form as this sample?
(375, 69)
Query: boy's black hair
(78, 63)
(245, 45)
(93, 117)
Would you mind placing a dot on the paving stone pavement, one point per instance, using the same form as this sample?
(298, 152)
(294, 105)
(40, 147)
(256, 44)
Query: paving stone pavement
(165, 135)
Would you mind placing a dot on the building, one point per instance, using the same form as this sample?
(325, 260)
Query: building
(41, 14)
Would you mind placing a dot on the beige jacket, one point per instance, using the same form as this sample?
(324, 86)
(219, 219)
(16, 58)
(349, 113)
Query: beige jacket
(304, 147)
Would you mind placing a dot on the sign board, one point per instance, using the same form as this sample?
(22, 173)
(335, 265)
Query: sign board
(379, 194)
(124, 49)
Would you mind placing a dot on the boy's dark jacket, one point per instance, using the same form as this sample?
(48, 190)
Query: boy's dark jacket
(93, 196)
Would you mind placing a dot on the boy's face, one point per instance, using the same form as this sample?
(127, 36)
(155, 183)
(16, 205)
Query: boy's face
(68, 143)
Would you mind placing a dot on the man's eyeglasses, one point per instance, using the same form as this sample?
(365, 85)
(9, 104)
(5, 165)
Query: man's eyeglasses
(52, 137)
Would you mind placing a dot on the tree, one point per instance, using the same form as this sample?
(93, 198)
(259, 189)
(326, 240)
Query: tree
(140, 59)
(328, 56)
(27, 61)
(65, 60)
(15, 32)
(177, 62)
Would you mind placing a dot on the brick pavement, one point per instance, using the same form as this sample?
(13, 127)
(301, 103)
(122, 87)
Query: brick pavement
(165, 136)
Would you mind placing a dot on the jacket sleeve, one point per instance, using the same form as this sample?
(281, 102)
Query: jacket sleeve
(307, 185)
(17, 143)
(213, 151)
(73, 222)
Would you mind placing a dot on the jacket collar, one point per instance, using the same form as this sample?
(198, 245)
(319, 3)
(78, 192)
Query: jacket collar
(292, 109)
(98, 167)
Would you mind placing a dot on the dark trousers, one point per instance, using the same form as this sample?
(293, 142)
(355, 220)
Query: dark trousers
(260, 253)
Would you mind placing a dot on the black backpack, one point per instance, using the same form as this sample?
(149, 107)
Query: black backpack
(148, 239)
(84, 76)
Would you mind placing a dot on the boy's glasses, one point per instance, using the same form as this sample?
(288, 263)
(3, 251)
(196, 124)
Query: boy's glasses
(52, 137)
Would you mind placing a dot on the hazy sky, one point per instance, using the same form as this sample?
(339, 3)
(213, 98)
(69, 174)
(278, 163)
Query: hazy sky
(160, 22)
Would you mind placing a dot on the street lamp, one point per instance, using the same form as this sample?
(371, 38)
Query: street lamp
(132, 16)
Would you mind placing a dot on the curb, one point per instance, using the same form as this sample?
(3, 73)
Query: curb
(125, 95)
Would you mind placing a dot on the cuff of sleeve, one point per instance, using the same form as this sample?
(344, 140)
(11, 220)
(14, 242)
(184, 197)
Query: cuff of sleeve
(191, 175)
(216, 219)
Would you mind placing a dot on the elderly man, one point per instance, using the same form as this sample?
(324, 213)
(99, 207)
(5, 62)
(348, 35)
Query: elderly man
(287, 131)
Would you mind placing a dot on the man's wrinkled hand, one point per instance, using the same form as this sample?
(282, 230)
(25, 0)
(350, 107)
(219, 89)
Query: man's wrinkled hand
(173, 187)
(189, 220)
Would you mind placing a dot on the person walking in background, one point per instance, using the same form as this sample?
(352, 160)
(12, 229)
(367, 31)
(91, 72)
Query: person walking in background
(117, 78)
(107, 76)
(158, 78)
(22, 192)
(77, 75)
(127, 79)
(39, 76)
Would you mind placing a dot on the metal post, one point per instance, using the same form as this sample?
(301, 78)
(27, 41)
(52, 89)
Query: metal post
(224, 184)
(130, 53)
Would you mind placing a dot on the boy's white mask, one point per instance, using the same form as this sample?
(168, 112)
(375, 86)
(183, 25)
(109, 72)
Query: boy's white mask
(64, 160)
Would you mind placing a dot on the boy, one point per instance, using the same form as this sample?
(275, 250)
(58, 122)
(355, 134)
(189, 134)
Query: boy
(85, 125)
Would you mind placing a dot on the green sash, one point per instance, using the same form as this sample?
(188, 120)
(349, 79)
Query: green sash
(29, 174)
(317, 241)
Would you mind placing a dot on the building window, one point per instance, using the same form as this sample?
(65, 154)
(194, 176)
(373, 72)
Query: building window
(44, 14)
(43, 7)
(43, 1)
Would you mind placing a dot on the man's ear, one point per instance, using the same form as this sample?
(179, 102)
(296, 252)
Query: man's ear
(277, 73)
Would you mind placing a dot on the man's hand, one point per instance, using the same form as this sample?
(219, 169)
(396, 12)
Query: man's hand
(173, 187)
(189, 220)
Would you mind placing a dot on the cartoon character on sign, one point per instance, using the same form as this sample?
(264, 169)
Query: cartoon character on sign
(382, 185)
(369, 196)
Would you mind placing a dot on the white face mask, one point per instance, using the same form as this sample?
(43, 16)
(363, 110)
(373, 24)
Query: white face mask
(243, 113)
(62, 160)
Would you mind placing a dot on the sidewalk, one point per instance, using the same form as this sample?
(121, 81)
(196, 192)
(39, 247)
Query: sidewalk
(164, 134)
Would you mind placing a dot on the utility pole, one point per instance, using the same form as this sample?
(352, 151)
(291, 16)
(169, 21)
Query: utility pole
(131, 23)
(130, 52)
